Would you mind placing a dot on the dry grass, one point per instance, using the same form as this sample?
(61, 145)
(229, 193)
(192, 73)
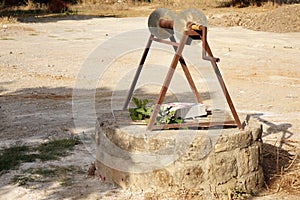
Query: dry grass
(141, 9)
(117, 8)
(282, 168)
(7, 20)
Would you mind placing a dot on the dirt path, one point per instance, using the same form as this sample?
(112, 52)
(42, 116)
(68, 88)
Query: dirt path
(39, 63)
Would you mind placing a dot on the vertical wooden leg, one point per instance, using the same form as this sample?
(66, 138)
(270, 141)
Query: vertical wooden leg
(138, 72)
(167, 81)
(187, 74)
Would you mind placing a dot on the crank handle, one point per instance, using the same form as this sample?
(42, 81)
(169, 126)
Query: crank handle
(214, 59)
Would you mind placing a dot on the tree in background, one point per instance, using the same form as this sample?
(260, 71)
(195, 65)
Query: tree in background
(11, 3)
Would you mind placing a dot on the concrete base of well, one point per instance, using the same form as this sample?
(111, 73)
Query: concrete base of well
(213, 160)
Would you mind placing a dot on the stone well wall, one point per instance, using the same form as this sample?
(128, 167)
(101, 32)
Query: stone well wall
(169, 160)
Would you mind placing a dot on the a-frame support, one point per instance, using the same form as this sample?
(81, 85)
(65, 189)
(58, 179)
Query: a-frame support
(195, 32)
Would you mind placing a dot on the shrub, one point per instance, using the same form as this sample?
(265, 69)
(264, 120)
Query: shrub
(8, 3)
(58, 6)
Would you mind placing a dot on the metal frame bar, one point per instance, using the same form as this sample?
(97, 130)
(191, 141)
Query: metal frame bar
(213, 60)
(230, 123)
(187, 74)
(138, 71)
(167, 81)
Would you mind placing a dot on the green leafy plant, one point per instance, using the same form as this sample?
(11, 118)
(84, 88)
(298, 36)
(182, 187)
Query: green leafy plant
(168, 116)
(141, 112)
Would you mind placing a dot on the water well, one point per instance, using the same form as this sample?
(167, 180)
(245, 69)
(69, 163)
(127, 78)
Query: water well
(209, 155)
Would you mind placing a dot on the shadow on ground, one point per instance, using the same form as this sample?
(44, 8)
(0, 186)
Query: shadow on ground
(43, 16)
(61, 17)
(47, 113)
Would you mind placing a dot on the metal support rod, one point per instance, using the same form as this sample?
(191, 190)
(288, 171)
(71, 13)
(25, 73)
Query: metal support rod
(231, 123)
(226, 93)
(187, 74)
(167, 81)
(213, 60)
(138, 72)
(165, 42)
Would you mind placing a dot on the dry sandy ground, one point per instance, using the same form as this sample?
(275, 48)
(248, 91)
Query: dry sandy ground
(39, 63)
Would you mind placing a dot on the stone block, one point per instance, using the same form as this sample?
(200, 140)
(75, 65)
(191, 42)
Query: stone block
(221, 167)
(242, 161)
(237, 139)
(188, 175)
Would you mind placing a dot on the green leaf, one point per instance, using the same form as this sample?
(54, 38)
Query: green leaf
(167, 120)
(145, 102)
(148, 111)
(136, 101)
(141, 110)
(133, 117)
(178, 120)
(140, 116)
(131, 110)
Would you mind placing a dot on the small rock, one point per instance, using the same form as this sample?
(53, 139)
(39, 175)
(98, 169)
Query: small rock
(92, 169)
